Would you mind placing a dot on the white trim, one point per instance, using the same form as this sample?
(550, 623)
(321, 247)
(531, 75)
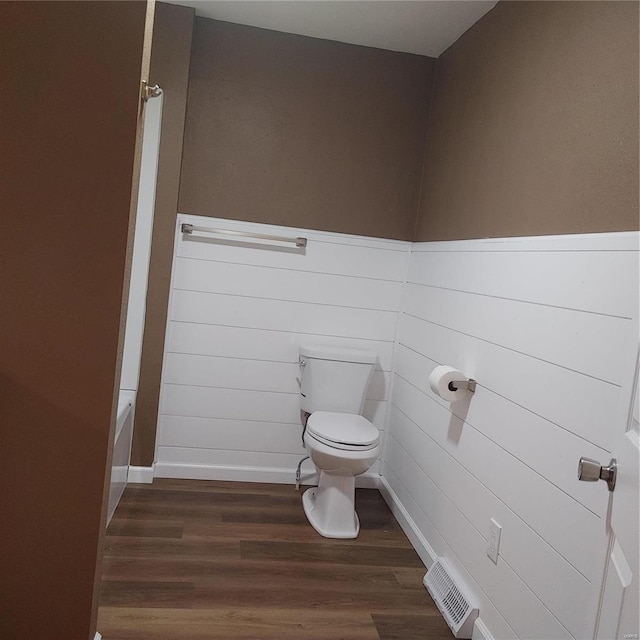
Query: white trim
(411, 529)
(142, 475)
(418, 541)
(384, 436)
(249, 474)
(141, 250)
(615, 241)
(480, 631)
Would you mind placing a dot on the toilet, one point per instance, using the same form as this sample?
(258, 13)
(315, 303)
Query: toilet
(341, 442)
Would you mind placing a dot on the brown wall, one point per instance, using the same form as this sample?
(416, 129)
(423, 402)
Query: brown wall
(170, 56)
(280, 129)
(69, 88)
(291, 130)
(534, 124)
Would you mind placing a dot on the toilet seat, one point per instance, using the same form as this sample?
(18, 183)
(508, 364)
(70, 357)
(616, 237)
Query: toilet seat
(346, 431)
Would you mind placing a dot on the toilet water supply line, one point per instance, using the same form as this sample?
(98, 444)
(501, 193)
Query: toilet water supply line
(306, 415)
(298, 472)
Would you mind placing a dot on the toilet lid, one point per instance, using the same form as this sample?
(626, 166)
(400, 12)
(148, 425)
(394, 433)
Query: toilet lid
(342, 428)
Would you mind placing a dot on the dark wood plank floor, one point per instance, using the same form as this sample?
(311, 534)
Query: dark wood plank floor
(195, 560)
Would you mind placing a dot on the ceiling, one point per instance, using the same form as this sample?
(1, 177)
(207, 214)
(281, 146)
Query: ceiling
(425, 27)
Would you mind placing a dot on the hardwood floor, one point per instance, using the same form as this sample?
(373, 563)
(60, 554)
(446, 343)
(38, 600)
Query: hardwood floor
(196, 560)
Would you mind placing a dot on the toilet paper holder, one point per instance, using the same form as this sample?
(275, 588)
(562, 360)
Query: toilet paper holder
(469, 384)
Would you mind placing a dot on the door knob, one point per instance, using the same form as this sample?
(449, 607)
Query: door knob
(591, 470)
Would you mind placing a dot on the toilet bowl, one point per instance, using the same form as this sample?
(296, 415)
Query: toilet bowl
(340, 441)
(342, 446)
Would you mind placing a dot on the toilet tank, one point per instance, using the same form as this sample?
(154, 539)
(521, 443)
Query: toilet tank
(333, 379)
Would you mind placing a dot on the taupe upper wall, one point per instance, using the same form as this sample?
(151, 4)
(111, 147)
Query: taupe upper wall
(291, 130)
(534, 124)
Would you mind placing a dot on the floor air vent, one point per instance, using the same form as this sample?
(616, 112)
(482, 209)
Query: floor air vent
(448, 594)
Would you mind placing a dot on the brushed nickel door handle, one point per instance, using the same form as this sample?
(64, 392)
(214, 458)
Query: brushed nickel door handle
(591, 470)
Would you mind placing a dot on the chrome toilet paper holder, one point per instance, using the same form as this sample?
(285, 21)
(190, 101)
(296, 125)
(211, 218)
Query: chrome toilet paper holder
(469, 384)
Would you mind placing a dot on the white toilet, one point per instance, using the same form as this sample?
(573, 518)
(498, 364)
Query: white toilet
(341, 442)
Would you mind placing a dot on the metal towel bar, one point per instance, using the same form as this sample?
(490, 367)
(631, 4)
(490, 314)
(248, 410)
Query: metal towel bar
(189, 229)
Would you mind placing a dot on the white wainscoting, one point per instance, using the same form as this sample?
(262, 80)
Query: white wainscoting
(549, 328)
(239, 309)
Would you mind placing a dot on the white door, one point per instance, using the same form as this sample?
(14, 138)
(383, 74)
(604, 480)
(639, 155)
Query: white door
(618, 616)
(137, 305)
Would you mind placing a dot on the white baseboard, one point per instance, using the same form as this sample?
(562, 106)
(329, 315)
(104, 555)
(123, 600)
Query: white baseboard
(142, 475)
(249, 474)
(480, 631)
(419, 542)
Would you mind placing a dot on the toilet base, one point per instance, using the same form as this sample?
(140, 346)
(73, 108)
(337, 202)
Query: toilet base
(329, 507)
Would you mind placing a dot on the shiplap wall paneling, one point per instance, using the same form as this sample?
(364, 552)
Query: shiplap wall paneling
(549, 329)
(239, 311)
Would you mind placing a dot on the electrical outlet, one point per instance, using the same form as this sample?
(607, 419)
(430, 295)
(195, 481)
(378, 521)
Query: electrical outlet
(494, 541)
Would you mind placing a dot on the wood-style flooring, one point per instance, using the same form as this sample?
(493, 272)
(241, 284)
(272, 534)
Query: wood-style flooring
(196, 560)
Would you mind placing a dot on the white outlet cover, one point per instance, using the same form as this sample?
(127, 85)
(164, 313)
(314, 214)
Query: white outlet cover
(493, 549)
